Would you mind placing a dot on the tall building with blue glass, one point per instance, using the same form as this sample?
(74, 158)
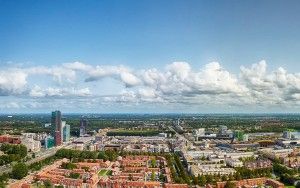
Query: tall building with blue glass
(66, 133)
(60, 130)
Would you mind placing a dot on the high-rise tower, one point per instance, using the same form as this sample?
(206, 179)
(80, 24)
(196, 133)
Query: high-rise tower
(83, 125)
(56, 127)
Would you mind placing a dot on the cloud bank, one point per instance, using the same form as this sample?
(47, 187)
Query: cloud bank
(176, 85)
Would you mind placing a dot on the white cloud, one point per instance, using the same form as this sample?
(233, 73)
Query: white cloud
(177, 84)
(78, 66)
(37, 91)
(129, 79)
(118, 72)
(60, 74)
(12, 82)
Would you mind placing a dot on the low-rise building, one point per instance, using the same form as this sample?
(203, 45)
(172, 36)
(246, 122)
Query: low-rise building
(233, 162)
(31, 144)
(210, 170)
(255, 182)
(259, 163)
(10, 139)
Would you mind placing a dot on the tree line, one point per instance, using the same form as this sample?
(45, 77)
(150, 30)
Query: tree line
(12, 152)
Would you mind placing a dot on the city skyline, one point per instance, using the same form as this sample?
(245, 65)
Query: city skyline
(149, 57)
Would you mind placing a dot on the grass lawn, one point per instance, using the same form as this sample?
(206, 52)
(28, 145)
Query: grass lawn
(104, 172)
(289, 186)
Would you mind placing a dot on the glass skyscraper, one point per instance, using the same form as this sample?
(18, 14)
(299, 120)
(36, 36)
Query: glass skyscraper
(66, 132)
(56, 125)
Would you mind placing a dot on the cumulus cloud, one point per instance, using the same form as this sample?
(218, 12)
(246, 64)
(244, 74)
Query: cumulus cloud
(118, 72)
(60, 74)
(177, 84)
(12, 82)
(37, 91)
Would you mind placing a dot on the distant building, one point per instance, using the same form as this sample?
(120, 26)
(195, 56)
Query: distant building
(83, 127)
(164, 135)
(233, 162)
(259, 163)
(287, 134)
(56, 124)
(199, 132)
(60, 130)
(49, 142)
(9, 139)
(66, 132)
(197, 170)
(222, 130)
(31, 144)
(47, 125)
(245, 137)
(255, 182)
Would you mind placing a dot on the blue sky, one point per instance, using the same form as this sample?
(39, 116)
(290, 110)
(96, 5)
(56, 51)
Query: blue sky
(142, 35)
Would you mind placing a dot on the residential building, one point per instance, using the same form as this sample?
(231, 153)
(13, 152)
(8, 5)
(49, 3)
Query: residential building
(31, 144)
(10, 139)
(233, 162)
(210, 170)
(259, 163)
(256, 182)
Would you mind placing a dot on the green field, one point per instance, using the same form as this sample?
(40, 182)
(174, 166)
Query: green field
(104, 172)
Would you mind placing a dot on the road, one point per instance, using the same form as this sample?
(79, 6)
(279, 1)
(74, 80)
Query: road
(39, 156)
(189, 143)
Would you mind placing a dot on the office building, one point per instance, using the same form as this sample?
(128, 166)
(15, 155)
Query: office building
(83, 127)
(49, 142)
(199, 132)
(245, 137)
(66, 132)
(287, 134)
(31, 144)
(222, 130)
(56, 125)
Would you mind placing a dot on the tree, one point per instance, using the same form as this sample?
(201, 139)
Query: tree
(202, 180)
(74, 175)
(209, 178)
(112, 155)
(162, 178)
(229, 184)
(153, 163)
(47, 184)
(102, 155)
(69, 166)
(3, 180)
(130, 177)
(86, 168)
(153, 176)
(195, 180)
(19, 171)
(224, 178)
